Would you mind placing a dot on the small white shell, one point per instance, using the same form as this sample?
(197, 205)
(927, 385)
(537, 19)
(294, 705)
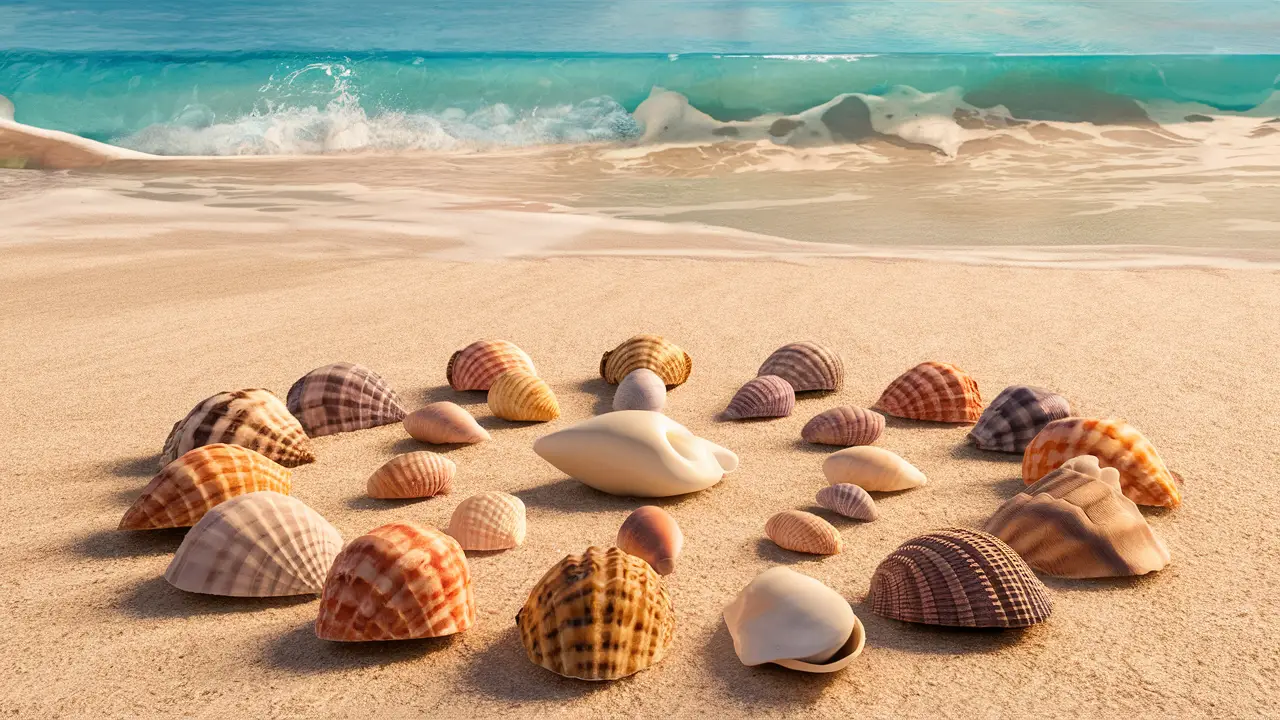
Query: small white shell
(872, 468)
(641, 389)
(490, 520)
(793, 620)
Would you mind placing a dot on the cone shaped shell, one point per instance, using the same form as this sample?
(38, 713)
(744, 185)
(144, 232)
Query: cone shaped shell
(791, 619)
(490, 520)
(1015, 417)
(767, 396)
(1117, 444)
(254, 418)
(806, 366)
(849, 500)
(475, 366)
(413, 475)
(343, 397)
(872, 468)
(516, 395)
(651, 352)
(651, 534)
(262, 544)
(803, 532)
(190, 486)
(641, 389)
(601, 615)
(844, 426)
(959, 578)
(444, 423)
(934, 391)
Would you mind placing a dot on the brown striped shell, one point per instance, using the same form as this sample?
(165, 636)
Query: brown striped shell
(252, 418)
(641, 389)
(475, 366)
(342, 397)
(844, 426)
(652, 352)
(601, 615)
(959, 578)
(444, 423)
(934, 391)
(651, 534)
(849, 500)
(1015, 416)
(767, 396)
(806, 366)
(1117, 444)
(413, 475)
(491, 520)
(519, 396)
(803, 532)
(397, 582)
(188, 487)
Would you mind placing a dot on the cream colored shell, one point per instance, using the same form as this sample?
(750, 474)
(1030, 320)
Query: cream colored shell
(491, 520)
(873, 469)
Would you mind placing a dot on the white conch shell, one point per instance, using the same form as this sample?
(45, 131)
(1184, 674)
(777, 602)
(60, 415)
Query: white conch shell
(872, 468)
(639, 453)
(795, 621)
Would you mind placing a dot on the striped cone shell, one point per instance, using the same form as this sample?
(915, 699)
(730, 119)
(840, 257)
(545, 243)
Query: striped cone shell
(767, 396)
(641, 389)
(262, 544)
(475, 366)
(412, 475)
(804, 532)
(398, 582)
(849, 500)
(1117, 444)
(601, 615)
(652, 352)
(1015, 416)
(188, 487)
(490, 520)
(934, 391)
(651, 534)
(807, 366)
(844, 426)
(444, 423)
(342, 397)
(254, 418)
(518, 396)
(959, 578)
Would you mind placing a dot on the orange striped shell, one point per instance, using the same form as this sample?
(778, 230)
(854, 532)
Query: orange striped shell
(804, 532)
(475, 366)
(1117, 444)
(934, 391)
(412, 475)
(517, 395)
(253, 418)
(188, 487)
(652, 352)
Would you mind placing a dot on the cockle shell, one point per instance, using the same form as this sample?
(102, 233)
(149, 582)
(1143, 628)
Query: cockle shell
(959, 578)
(803, 532)
(641, 389)
(844, 426)
(1015, 416)
(516, 395)
(397, 582)
(253, 418)
(652, 352)
(1117, 444)
(188, 487)
(651, 534)
(795, 621)
(343, 397)
(1075, 522)
(601, 615)
(444, 423)
(849, 500)
(806, 366)
(413, 475)
(491, 520)
(934, 391)
(766, 396)
(262, 544)
(872, 468)
(475, 366)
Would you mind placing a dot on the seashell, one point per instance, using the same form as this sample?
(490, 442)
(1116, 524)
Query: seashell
(343, 397)
(807, 366)
(1117, 444)
(651, 534)
(516, 395)
(872, 468)
(652, 352)
(934, 391)
(601, 615)
(641, 389)
(262, 544)
(475, 366)
(637, 453)
(444, 423)
(959, 578)
(1075, 522)
(766, 396)
(489, 520)
(795, 621)
(254, 418)
(188, 487)
(844, 426)
(397, 582)
(803, 532)
(413, 475)
(849, 500)
(1015, 416)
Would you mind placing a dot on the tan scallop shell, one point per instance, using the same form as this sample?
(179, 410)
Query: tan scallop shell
(806, 366)
(190, 486)
(342, 397)
(651, 534)
(518, 396)
(804, 532)
(413, 475)
(872, 468)
(491, 520)
(933, 391)
(1116, 444)
(849, 500)
(252, 418)
(444, 423)
(475, 366)
(653, 352)
(844, 426)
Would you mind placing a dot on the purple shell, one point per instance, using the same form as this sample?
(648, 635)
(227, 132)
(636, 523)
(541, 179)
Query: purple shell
(766, 396)
(844, 426)
(1017, 414)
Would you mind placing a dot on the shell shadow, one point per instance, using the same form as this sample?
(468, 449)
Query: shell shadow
(300, 651)
(934, 639)
(573, 496)
(106, 544)
(969, 451)
(408, 445)
(770, 551)
(808, 447)
(892, 421)
(140, 466)
(1008, 487)
(503, 671)
(761, 685)
(442, 393)
(834, 517)
(364, 502)
(156, 598)
(1125, 583)
(603, 393)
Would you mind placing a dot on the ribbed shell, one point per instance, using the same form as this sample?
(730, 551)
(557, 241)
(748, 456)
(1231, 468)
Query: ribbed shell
(934, 391)
(959, 578)
(652, 352)
(601, 615)
(651, 534)
(767, 396)
(641, 389)
(489, 520)
(444, 423)
(262, 544)
(253, 418)
(188, 487)
(1015, 416)
(844, 426)
(806, 366)
(516, 395)
(475, 366)
(849, 500)
(1117, 444)
(872, 468)
(398, 582)
(803, 532)
(413, 475)
(342, 397)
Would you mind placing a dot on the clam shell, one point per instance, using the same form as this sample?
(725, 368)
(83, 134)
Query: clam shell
(804, 532)
(844, 426)
(766, 396)
(872, 468)
(343, 397)
(1015, 416)
(444, 423)
(806, 366)
(934, 391)
(601, 615)
(849, 500)
(188, 487)
(262, 544)
(795, 621)
(516, 395)
(652, 352)
(413, 475)
(651, 534)
(475, 366)
(254, 418)
(397, 582)
(1117, 444)
(959, 578)
(641, 389)
(489, 520)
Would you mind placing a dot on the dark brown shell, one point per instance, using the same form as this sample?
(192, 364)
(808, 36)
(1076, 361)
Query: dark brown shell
(845, 426)
(252, 418)
(767, 396)
(1019, 412)
(342, 397)
(807, 366)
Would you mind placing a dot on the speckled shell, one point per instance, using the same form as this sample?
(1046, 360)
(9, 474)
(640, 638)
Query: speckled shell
(652, 352)
(491, 520)
(475, 366)
(806, 366)
(413, 475)
(1015, 416)
(398, 582)
(262, 544)
(343, 397)
(516, 395)
(188, 487)
(253, 418)
(844, 426)
(872, 468)
(601, 615)
(959, 578)
(444, 423)
(1117, 444)
(767, 396)
(849, 500)
(651, 534)
(934, 391)
(641, 389)
(803, 532)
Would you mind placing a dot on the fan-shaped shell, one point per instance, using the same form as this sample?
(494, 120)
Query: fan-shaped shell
(489, 520)
(806, 366)
(262, 544)
(601, 615)
(413, 475)
(844, 426)
(651, 534)
(849, 500)
(397, 582)
(652, 352)
(803, 532)
(872, 468)
(959, 578)
(934, 391)
(516, 395)
(342, 397)
(1117, 444)
(641, 389)
(253, 418)
(188, 487)
(793, 620)
(475, 366)
(767, 396)
(444, 423)
(1015, 416)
